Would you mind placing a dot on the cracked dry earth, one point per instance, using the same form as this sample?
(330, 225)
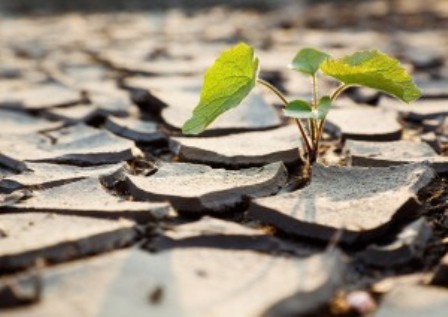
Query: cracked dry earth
(107, 210)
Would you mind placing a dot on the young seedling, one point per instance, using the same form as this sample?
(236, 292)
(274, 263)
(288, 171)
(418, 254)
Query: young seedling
(234, 74)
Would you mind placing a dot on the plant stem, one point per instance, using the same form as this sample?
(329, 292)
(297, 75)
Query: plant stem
(333, 97)
(274, 90)
(315, 101)
(312, 122)
(309, 149)
(339, 91)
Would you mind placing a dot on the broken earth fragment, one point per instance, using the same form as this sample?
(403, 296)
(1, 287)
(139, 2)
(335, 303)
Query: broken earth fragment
(409, 246)
(16, 122)
(40, 97)
(240, 150)
(77, 145)
(56, 238)
(419, 110)
(200, 189)
(414, 301)
(136, 130)
(441, 276)
(97, 202)
(362, 202)
(244, 283)
(364, 123)
(219, 234)
(43, 175)
(321, 278)
(381, 154)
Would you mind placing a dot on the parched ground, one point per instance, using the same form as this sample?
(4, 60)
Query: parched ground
(106, 209)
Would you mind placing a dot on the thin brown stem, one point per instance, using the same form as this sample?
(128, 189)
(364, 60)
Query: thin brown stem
(333, 97)
(274, 90)
(339, 91)
(306, 141)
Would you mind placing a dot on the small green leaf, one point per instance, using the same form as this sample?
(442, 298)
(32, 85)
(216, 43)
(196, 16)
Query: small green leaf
(226, 83)
(323, 107)
(308, 60)
(300, 109)
(375, 70)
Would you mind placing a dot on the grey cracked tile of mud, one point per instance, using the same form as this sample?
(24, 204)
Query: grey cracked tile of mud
(135, 60)
(441, 275)
(363, 202)
(96, 202)
(79, 145)
(44, 175)
(193, 188)
(364, 123)
(434, 89)
(56, 238)
(408, 246)
(244, 283)
(242, 149)
(17, 122)
(254, 113)
(135, 129)
(78, 113)
(112, 101)
(37, 97)
(414, 301)
(220, 234)
(418, 110)
(381, 154)
(176, 83)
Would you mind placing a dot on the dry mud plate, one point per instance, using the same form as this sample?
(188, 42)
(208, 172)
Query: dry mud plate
(108, 209)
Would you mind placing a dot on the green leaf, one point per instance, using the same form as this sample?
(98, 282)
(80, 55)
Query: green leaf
(300, 109)
(226, 83)
(375, 70)
(308, 60)
(323, 107)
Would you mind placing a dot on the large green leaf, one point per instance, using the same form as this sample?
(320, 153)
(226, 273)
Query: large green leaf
(375, 70)
(301, 109)
(308, 60)
(226, 83)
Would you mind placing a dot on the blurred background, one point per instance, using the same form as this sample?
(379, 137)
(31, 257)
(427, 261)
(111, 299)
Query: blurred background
(82, 43)
(314, 13)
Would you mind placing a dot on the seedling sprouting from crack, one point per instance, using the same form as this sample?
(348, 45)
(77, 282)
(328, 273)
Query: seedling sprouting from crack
(234, 74)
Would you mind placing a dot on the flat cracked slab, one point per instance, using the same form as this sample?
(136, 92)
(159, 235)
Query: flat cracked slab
(441, 275)
(43, 175)
(40, 97)
(176, 83)
(252, 114)
(408, 247)
(198, 188)
(194, 282)
(364, 123)
(414, 301)
(240, 150)
(220, 234)
(74, 114)
(418, 110)
(56, 238)
(380, 154)
(77, 145)
(136, 130)
(16, 122)
(364, 202)
(88, 198)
